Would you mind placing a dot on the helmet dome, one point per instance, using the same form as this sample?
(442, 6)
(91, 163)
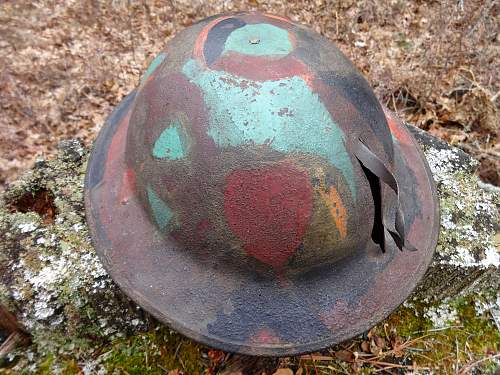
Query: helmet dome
(240, 142)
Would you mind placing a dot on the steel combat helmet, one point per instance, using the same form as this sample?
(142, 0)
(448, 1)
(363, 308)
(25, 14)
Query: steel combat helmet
(254, 195)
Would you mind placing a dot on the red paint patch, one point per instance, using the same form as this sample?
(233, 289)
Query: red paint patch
(112, 165)
(269, 210)
(265, 336)
(202, 228)
(262, 68)
(396, 127)
(128, 186)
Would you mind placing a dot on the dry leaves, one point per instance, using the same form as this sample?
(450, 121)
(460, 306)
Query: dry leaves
(65, 65)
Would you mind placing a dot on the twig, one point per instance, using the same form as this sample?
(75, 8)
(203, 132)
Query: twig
(439, 329)
(392, 365)
(494, 98)
(314, 364)
(131, 33)
(471, 366)
(15, 339)
(177, 350)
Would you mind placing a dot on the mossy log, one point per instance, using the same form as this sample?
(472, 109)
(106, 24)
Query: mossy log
(53, 283)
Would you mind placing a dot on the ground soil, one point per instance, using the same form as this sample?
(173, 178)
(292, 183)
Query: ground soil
(65, 65)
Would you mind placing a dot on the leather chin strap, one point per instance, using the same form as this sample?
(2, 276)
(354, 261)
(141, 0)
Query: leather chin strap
(372, 162)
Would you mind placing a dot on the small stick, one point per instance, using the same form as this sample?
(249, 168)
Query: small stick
(471, 366)
(17, 335)
(15, 339)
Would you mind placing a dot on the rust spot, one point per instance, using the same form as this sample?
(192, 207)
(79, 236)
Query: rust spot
(41, 202)
(285, 112)
(229, 81)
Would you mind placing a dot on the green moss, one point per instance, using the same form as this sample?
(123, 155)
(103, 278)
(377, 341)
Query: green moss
(45, 367)
(471, 336)
(154, 353)
(67, 367)
(409, 319)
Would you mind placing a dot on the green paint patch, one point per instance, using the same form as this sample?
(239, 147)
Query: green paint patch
(161, 212)
(169, 144)
(259, 40)
(154, 64)
(243, 112)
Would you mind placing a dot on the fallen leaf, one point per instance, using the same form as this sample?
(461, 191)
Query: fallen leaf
(379, 341)
(345, 355)
(216, 356)
(365, 346)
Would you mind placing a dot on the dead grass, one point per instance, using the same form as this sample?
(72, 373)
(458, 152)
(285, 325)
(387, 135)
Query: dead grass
(64, 65)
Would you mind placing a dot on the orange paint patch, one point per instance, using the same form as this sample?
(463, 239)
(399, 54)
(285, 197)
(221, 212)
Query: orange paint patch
(292, 39)
(128, 186)
(396, 127)
(337, 209)
(278, 17)
(112, 167)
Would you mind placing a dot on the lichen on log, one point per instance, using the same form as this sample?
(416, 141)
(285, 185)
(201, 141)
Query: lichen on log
(50, 276)
(466, 254)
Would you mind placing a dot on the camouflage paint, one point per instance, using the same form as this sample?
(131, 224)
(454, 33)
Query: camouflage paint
(161, 212)
(283, 114)
(154, 64)
(337, 209)
(169, 144)
(270, 253)
(276, 197)
(259, 40)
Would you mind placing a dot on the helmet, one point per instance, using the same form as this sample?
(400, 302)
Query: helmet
(254, 195)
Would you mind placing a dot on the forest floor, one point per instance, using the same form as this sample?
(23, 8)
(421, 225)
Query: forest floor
(65, 65)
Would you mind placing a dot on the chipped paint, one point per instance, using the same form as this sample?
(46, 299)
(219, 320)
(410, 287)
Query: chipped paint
(259, 40)
(242, 112)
